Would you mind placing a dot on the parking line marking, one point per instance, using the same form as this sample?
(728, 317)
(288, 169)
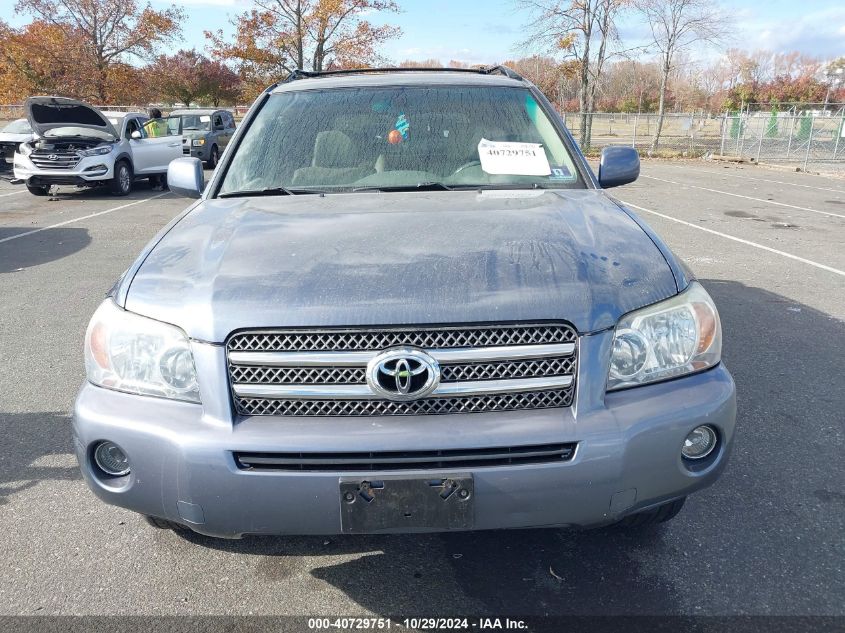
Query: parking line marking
(809, 262)
(14, 193)
(739, 195)
(84, 217)
(778, 182)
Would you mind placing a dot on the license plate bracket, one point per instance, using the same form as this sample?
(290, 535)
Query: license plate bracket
(397, 503)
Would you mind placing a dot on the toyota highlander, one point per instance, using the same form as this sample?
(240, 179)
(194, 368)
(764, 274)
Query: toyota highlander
(404, 303)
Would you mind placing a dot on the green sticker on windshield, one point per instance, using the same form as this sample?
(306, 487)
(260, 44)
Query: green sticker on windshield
(560, 172)
(402, 125)
(531, 107)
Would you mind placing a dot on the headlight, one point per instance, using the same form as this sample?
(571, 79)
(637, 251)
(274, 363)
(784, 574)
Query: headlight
(100, 150)
(25, 149)
(197, 142)
(128, 352)
(674, 337)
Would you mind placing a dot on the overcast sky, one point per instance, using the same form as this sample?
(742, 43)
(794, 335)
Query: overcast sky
(485, 31)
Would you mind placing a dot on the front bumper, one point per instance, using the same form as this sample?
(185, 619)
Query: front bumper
(88, 171)
(201, 152)
(183, 468)
(7, 153)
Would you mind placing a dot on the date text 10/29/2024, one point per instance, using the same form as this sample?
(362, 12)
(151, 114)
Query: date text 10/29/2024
(417, 624)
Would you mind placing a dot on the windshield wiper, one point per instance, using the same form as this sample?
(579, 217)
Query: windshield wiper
(269, 191)
(502, 186)
(422, 186)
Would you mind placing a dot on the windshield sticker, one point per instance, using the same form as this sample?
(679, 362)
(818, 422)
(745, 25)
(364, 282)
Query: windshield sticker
(402, 126)
(514, 159)
(205, 118)
(560, 173)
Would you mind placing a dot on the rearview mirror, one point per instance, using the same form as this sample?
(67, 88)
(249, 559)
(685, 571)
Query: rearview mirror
(619, 165)
(185, 177)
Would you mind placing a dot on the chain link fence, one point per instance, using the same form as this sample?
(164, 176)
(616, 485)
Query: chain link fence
(689, 134)
(808, 140)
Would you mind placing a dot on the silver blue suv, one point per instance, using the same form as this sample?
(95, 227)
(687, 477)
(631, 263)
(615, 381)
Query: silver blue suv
(404, 303)
(205, 133)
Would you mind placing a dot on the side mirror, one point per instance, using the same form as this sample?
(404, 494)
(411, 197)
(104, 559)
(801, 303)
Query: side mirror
(136, 135)
(185, 177)
(619, 165)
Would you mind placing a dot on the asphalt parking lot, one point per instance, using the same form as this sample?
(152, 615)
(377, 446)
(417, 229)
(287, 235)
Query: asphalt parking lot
(768, 538)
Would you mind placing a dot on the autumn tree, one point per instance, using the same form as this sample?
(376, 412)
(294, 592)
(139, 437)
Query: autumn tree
(583, 31)
(426, 63)
(834, 77)
(107, 32)
(279, 36)
(547, 73)
(676, 25)
(220, 83)
(189, 77)
(39, 58)
(628, 85)
(179, 77)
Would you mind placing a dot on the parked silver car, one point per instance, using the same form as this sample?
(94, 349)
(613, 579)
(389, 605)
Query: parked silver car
(404, 303)
(11, 136)
(205, 133)
(78, 144)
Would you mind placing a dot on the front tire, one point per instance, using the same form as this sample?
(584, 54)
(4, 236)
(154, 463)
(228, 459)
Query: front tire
(38, 191)
(121, 184)
(654, 516)
(164, 524)
(213, 157)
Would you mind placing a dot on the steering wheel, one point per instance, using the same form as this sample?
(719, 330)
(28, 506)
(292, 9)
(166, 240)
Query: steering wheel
(471, 163)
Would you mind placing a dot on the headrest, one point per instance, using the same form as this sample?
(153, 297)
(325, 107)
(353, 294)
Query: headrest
(333, 149)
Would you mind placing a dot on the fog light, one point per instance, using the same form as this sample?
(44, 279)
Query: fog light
(699, 443)
(111, 459)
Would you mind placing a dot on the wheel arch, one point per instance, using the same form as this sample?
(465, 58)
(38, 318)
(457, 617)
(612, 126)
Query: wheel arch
(127, 157)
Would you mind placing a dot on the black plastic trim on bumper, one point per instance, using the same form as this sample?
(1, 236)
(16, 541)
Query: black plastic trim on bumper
(46, 181)
(407, 460)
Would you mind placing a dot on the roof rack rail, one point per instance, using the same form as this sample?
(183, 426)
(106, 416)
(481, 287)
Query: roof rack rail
(482, 70)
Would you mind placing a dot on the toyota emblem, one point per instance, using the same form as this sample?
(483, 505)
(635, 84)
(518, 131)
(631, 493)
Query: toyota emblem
(403, 373)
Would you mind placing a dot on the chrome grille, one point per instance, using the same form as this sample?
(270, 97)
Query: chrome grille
(361, 340)
(508, 369)
(323, 373)
(298, 375)
(63, 159)
(357, 375)
(425, 406)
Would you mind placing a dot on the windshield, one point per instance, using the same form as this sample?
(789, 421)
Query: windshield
(21, 126)
(383, 138)
(193, 122)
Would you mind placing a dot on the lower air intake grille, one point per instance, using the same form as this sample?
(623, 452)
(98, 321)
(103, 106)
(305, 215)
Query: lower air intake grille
(407, 460)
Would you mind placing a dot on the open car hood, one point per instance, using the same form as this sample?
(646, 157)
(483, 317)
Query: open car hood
(48, 113)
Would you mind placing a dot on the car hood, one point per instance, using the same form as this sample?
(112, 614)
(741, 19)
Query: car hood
(48, 113)
(396, 258)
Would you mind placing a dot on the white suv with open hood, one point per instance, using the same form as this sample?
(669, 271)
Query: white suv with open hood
(77, 144)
